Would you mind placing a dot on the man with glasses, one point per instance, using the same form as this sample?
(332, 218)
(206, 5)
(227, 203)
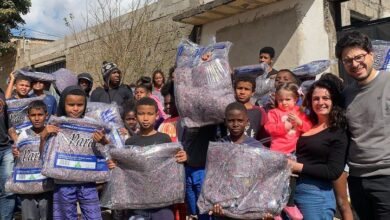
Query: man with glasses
(367, 103)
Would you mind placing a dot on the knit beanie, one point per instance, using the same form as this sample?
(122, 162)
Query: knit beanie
(107, 68)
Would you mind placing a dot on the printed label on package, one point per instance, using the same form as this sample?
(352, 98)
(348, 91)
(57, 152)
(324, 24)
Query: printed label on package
(28, 175)
(80, 162)
(386, 64)
(77, 127)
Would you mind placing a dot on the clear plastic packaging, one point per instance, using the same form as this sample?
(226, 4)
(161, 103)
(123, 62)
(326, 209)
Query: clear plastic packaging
(381, 54)
(64, 78)
(203, 86)
(39, 76)
(247, 182)
(108, 114)
(255, 70)
(72, 155)
(17, 113)
(312, 69)
(26, 177)
(145, 177)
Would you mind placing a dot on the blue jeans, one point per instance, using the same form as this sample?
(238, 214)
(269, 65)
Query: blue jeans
(315, 198)
(7, 200)
(194, 181)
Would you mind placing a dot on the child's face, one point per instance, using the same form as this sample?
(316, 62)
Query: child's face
(158, 79)
(170, 105)
(140, 93)
(74, 106)
(84, 84)
(286, 99)
(146, 116)
(236, 122)
(131, 120)
(283, 77)
(243, 92)
(38, 86)
(265, 58)
(37, 117)
(22, 87)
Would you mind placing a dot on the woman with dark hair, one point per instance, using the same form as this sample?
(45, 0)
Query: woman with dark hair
(321, 152)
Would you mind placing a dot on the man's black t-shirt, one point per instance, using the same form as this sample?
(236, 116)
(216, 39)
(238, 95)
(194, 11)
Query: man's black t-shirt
(158, 138)
(4, 139)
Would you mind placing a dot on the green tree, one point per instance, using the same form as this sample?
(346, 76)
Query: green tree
(10, 18)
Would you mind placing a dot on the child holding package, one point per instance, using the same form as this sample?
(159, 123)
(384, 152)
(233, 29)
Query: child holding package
(146, 113)
(36, 206)
(285, 124)
(236, 120)
(72, 104)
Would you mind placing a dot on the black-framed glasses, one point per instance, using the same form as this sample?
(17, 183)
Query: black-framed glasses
(359, 59)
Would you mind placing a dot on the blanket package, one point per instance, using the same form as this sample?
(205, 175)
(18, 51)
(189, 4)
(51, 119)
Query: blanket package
(26, 177)
(201, 69)
(72, 155)
(17, 113)
(145, 177)
(108, 114)
(248, 182)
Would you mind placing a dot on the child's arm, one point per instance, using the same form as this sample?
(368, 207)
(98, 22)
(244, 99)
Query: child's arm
(274, 126)
(10, 87)
(49, 129)
(12, 133)
(181, 156)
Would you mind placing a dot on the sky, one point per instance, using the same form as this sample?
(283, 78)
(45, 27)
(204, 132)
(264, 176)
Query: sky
(46, 17)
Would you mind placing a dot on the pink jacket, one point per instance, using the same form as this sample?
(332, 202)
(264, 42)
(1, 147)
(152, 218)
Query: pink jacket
(161, 112)
(282, 140)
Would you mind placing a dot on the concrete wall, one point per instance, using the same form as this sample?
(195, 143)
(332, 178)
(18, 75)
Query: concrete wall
(295, 28)
(370, 9)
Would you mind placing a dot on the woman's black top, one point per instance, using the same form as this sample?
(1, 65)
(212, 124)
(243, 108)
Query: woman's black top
(323, 154)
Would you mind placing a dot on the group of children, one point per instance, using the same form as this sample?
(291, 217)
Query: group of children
(147, 122)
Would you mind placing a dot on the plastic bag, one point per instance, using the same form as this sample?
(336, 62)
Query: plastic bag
(17, 113)
(256, 69)
(311, 69)
(72, 155)
(247, 182)
(203, 86)
(39, 76)
(64, 78)
(145, 177)
(26, 177)
(108, 114)
(382, 54)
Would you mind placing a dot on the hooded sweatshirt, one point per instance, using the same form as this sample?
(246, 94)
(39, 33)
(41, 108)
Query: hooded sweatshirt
(108, 95)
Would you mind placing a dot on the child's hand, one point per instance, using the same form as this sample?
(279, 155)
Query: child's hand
(216, 210)
(49, 129)
(181, 156)
(294, 119)
(123, 131)
(100, 137)
(15, 152)
(111, 164)
(287, 125)
(12, 76)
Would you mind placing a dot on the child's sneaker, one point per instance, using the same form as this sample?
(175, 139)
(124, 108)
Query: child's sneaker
(293, 212)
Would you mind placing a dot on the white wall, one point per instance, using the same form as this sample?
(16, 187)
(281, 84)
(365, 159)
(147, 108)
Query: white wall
(295, 28)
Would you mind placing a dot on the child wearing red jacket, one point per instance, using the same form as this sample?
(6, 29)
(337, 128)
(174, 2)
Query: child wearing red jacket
(285, 124)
